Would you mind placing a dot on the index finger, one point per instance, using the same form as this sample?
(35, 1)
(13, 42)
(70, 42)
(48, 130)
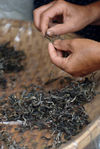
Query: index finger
(37, 12)
(48, 15)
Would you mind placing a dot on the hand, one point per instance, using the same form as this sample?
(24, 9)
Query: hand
(68, 17)
(84, 56)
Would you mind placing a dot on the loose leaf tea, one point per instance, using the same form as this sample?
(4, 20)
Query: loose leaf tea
(9, 143)
(53, 38)
(10, 61)
(59, 111)
(56, 37)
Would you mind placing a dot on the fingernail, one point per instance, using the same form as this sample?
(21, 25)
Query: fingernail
(50, 32)
(50, 43)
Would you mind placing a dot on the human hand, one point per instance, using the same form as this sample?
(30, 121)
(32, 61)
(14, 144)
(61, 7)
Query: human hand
(70, 17)
(84, 56)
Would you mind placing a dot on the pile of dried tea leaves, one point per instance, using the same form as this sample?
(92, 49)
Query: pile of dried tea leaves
(9, 143)
(10, 61)
(60, 111)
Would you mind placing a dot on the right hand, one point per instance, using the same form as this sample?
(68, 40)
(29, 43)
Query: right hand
(84, 56)
(74, 17)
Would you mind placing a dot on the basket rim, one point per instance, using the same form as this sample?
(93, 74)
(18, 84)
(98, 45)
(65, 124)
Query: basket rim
(86, 136)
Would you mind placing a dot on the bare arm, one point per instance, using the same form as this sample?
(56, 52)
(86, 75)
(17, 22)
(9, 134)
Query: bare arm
(95, 11)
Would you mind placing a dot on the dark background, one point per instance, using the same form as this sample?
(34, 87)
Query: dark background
(91, 31)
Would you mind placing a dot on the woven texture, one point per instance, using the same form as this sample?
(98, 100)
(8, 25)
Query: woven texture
(38, 70)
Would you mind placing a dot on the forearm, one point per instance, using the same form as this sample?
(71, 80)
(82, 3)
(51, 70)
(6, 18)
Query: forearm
(94, 10)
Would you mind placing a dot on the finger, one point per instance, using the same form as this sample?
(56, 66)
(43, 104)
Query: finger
(60, 29)
(51, 24)
(37, 12)
(63, 45)
(57, 60)
(57, 30)
(48, 15)
(59, 53)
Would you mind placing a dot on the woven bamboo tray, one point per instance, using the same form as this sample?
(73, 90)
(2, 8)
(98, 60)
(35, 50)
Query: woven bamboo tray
(39, 69)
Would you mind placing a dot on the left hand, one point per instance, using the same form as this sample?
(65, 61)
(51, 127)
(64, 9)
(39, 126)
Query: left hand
(69, 17)
(84, 56)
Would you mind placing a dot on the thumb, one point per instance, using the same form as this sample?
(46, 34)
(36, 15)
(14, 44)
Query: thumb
(57, 30)
(56, 58)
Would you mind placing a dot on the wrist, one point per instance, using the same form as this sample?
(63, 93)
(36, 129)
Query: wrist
(93, 11)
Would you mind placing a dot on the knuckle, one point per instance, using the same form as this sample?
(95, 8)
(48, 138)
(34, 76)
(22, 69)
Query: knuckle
(35, 12)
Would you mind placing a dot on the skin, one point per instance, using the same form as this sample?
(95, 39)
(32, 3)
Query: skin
(74, 17)
(84, 54)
